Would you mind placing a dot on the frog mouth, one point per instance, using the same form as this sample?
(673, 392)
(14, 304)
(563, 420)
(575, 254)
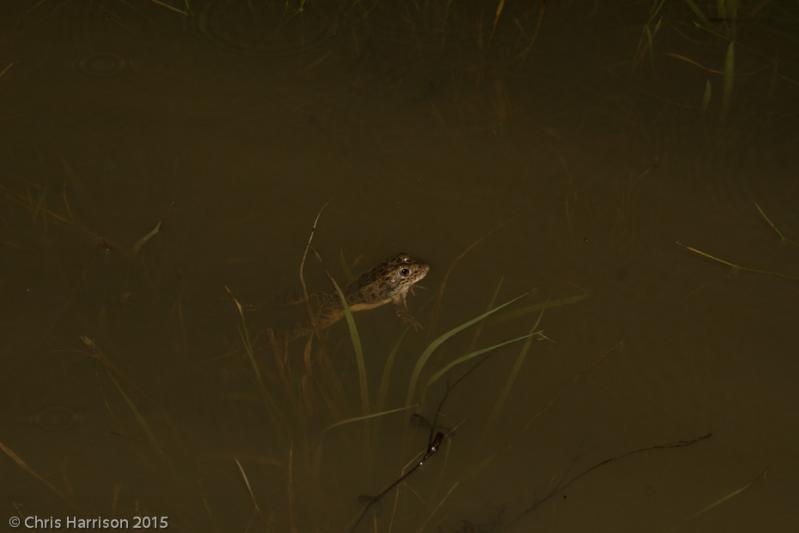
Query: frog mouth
(423, 270)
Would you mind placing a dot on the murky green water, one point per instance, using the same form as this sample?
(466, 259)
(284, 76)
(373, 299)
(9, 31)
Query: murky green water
(156, 154)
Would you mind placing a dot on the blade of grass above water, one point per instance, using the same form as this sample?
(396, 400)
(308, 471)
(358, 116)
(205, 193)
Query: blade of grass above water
(433, 346)
(356, 346)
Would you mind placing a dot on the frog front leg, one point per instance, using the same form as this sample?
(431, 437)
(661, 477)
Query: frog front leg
(401, 309)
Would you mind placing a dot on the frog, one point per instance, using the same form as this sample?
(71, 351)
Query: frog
(389, 282)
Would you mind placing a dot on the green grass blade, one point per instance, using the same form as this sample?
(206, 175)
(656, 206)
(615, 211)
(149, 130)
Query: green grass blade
(356, 346)
(433, 346)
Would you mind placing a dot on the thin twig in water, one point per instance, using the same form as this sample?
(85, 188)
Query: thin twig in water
(431, 450)
(434, 441)
(562, 487)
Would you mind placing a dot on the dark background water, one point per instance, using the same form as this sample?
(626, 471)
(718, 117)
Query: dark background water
(576, 149)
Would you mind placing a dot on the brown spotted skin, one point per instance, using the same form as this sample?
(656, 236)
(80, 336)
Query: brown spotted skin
(389, 282)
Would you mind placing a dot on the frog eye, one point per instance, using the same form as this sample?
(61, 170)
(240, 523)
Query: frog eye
(404, 272)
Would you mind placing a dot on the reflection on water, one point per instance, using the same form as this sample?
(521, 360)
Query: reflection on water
(628, 172)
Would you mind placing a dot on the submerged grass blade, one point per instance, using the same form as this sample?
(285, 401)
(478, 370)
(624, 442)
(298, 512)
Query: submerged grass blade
(646, 43)
(363, 418)
(694, 63)
(703, 20)
(6, 69)
(29, 204)
(304, 285)
(522, 57)
(780, 234)
(736, 266)
(145, 427)
(110, 371)
(479, 329)
(388, 368)
(706, 97)
(728, 496)
(363, 380)
(290, 491)
(345, 266)
(31, 472)
(247, 485)
(549, 304)
(468, 357)
(438, 506)
(170, 7)
(144, 240)
(514, 373)
(497, 16)
(729, 81)
(433, 346)
(443, 287)
(269, 402)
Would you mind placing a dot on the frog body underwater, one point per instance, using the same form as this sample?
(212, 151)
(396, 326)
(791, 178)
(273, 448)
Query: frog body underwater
(389, 282)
